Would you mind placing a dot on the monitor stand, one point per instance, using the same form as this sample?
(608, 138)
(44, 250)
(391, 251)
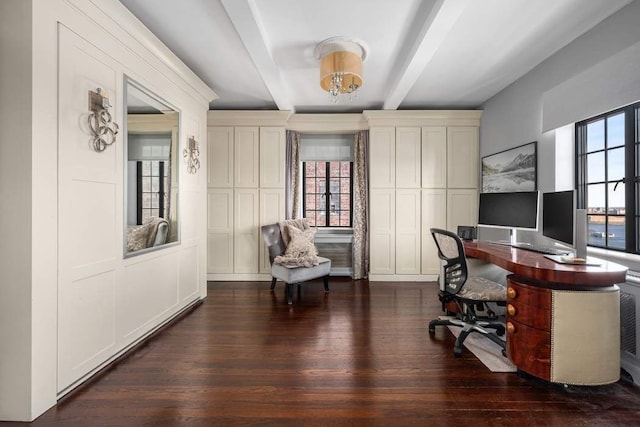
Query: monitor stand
(513, 237)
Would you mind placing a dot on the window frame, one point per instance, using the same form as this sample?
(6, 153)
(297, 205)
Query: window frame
(160, 210)
(327, 209)
(630, 179)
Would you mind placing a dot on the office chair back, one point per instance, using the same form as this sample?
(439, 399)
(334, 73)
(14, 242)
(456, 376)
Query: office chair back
(454, 263)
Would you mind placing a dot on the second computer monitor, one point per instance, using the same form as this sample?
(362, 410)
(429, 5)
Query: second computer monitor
(558, 216)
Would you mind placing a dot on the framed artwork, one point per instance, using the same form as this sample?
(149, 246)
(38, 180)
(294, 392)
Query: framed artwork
(514, 169)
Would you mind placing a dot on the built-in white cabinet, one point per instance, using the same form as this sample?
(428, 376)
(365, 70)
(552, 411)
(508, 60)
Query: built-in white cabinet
(247, 191)
(434, 157)
(462, 207)
(220, 230)
(424, 173)
(462, 157)
(245, 157)
(408, 149)
(220, 156)
(272, 157)
(382, 149)
(382, 231)
(272, 205)
(246, 219)
(408, 226)
(434, 214)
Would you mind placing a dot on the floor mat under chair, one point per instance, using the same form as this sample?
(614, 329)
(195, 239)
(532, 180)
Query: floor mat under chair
(489, 353)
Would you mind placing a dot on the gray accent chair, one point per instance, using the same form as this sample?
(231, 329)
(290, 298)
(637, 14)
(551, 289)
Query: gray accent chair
(291, 275)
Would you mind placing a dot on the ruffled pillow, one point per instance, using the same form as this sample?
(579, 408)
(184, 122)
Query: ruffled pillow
(301, 251)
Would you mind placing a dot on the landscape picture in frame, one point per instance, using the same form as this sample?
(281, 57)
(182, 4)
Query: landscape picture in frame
(510, 170)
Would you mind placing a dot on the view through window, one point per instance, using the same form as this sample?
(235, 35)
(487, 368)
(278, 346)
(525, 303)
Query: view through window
(607, 178)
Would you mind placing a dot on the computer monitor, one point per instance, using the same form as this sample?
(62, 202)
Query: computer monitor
(514, 210)
(559, 216)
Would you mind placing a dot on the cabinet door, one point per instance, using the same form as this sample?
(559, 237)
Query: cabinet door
(434, 157)
(271, 211)
(220, 231)
(272, 157)
(382, 156)
(246, 161)
(462, 208)
(246, 231)
(462, 157)
(408, 148)
(434, 214)
(220, 156)
(408, 231)
(382, 235)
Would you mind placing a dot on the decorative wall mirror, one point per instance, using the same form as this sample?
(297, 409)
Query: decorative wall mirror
(151, 171)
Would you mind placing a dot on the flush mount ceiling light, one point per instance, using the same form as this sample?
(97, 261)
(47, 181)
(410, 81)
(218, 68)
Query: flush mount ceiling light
(340, 66)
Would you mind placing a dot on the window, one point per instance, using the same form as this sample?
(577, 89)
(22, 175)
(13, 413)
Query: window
(327, 193)
(607, 178)
(152, 182)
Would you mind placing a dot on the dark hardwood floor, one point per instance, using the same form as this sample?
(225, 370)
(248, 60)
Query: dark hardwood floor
(360, 355)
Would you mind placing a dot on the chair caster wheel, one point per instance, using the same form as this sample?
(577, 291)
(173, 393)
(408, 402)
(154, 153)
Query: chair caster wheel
(504, 353)
(500, 331)
(457, 351)
(432, 328)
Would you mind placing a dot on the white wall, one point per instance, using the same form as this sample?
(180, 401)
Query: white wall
(515, 116)
(15, 208)
(29, 177)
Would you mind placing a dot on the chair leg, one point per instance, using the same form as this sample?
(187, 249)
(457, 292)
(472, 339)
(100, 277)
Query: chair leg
(289, 292)
(326, 283)
(273, 283)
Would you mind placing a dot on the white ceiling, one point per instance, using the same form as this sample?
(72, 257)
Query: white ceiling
(258, 54)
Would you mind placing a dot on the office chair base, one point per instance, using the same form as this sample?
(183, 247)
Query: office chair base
(467, 328)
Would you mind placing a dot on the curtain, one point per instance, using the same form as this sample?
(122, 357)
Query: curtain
(292, 178)
(361, 205)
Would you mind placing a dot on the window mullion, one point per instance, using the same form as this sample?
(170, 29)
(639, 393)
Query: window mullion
(631, 242)
(327, 195)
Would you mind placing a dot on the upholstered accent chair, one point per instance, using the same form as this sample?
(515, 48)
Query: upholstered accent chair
(467, 295)
(289, 272)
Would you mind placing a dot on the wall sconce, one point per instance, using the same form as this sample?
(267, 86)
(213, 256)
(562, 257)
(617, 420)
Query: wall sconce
(191, 154)
(103, 130)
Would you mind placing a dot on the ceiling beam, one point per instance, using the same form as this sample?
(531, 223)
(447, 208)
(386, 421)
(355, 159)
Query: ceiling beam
(431, 26)
(245, 18)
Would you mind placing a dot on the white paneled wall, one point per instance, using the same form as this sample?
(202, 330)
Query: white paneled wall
(82, 302)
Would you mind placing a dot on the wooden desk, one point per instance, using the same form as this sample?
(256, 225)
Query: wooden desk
(563, 321)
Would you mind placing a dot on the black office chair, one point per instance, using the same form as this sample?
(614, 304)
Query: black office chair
(468, 294)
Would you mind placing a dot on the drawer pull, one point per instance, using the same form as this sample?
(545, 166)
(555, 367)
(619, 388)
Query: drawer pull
(511, 293)
(511, 327)
(511, 310)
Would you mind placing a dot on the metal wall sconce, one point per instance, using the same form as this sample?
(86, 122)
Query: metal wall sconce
(103, 130)
(191, 154)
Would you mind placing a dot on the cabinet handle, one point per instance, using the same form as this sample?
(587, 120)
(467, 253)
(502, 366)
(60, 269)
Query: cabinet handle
(511, 310)
(511, 327)
(511, 293)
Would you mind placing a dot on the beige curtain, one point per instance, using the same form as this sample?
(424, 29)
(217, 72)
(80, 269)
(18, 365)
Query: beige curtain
(292, 181)
(361, 205)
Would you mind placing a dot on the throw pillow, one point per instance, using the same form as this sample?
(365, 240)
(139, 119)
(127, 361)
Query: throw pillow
(301, 250)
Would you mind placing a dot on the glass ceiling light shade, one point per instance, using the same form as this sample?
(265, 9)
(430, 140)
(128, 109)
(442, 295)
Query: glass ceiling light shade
(340, 66)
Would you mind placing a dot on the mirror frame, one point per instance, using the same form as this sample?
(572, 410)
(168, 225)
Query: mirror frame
(127, 80)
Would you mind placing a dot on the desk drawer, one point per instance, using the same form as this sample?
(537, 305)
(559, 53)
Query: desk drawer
(528, 305)
(529, 349)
